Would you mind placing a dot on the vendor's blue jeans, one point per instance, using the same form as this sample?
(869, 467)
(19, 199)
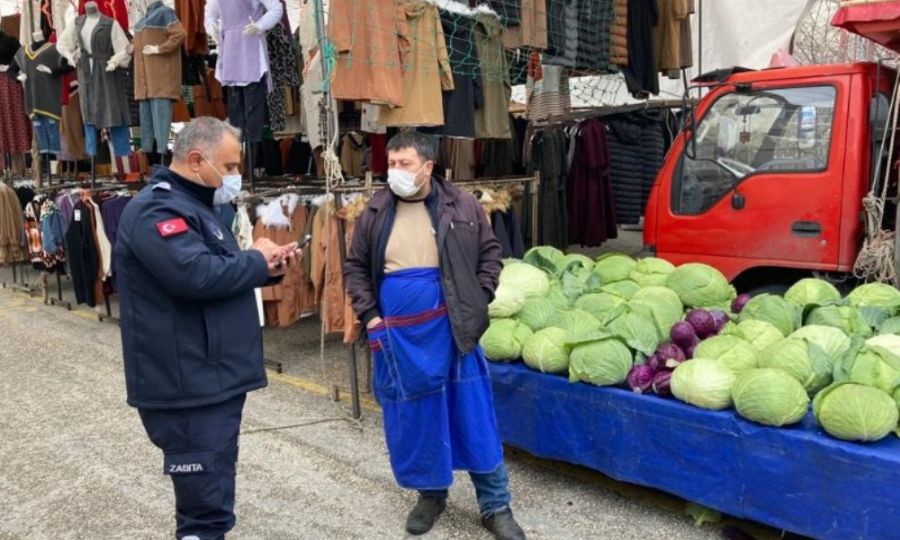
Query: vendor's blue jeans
(491, 489)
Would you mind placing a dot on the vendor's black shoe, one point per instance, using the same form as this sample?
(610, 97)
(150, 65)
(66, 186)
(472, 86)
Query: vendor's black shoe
(503, 526)
(424, 514)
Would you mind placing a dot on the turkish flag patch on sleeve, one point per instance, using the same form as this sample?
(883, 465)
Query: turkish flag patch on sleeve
(172, 227)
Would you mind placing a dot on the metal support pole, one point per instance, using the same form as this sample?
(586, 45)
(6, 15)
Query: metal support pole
(58, 301)
(351, 351)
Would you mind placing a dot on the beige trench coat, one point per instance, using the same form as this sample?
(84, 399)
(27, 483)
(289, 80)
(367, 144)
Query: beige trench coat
(426, 69)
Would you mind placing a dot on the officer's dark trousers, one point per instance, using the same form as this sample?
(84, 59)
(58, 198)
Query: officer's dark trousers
(200, 448)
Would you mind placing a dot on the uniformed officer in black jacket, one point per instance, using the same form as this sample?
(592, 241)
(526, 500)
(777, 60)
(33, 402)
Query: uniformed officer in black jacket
(191, 334)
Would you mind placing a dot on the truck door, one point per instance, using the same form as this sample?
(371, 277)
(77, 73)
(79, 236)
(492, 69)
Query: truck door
(762, 180)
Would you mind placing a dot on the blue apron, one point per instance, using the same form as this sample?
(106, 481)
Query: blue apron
(437, 403)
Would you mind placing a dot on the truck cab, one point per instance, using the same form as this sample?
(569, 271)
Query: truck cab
(768, 181)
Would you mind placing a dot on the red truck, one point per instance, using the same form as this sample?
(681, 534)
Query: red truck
(767, 182)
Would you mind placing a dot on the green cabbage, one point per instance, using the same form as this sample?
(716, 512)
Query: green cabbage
(638, 332)
(701, 286)
(846, 318)
(525, 278)
(614, 267)
(556, 296)
(651, 271)
(731, 351)
(603, 306)
(662, 304)
(832, 340)
(625, 289)
(537, 312)
(547, 258)
(580, 325)
(603, 363)
(812, 291)
(891, 342)
(503, 339)
(854, 412)
(703, 382)
(872, 366)
(546, 351)
(774, 309)
(760, 334)
(876, 295)
(577, 280)
(770, 397)
(890, 326)
(507, 302)
(809, 364)
(583, 261)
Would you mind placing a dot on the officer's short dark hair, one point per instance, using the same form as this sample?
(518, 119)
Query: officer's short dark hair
(425, 145)
(203, 134)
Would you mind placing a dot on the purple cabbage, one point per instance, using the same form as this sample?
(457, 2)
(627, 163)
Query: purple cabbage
(656, 362)
(721, 319)
(661, 383)
(738, 304)
(703, 322)
(683, 334)
(670, 354)
(640, 378)
(689, 352)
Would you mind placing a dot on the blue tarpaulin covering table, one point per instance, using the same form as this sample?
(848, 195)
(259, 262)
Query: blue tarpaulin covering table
(795, 478)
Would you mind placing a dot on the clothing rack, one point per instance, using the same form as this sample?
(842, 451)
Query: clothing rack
(16, 285)
(599, 112)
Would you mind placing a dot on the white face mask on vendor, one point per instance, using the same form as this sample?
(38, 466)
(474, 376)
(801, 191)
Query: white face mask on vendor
(403, 183)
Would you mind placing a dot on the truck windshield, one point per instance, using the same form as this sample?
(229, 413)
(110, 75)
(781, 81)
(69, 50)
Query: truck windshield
(771, 130)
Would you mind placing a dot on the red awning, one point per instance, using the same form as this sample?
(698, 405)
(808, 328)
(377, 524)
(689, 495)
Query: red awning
(876, 20)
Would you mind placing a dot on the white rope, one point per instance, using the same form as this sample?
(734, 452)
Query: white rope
(875, 261)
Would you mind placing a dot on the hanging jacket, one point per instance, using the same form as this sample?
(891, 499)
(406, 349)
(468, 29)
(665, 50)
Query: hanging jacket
(84, 258)
(592, 213)
(158, 76)
(469, 258)
(370, 45)
(426, 69)
(492, 119)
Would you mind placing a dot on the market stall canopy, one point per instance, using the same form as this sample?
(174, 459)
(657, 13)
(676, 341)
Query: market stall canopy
(878, 20)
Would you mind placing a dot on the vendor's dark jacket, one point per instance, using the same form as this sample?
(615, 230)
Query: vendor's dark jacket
(190, 328)
(468, 251)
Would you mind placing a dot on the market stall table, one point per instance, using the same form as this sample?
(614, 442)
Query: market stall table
(797, 479)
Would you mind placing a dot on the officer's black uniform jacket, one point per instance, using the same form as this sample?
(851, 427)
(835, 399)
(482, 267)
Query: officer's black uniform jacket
(190, 326)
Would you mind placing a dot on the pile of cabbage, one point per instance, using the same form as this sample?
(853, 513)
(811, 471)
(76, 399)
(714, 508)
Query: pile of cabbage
(683, 331)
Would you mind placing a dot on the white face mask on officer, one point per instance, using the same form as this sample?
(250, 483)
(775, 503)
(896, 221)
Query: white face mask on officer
(403, 183)
(230, 188)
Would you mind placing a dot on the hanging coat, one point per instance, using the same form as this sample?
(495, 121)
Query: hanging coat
(492, 119)
(369, 52)
(437, 403)
(104, 97)
(158, 76)
(84, 259)
(426, 70)
(592, 213)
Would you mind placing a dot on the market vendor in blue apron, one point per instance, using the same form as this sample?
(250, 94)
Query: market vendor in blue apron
(422, 268)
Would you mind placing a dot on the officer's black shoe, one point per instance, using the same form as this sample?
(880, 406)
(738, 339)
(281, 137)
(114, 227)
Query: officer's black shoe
(424, 514)
(503, 526)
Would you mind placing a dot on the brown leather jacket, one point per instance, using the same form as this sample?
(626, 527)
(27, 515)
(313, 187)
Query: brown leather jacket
(469, 258)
